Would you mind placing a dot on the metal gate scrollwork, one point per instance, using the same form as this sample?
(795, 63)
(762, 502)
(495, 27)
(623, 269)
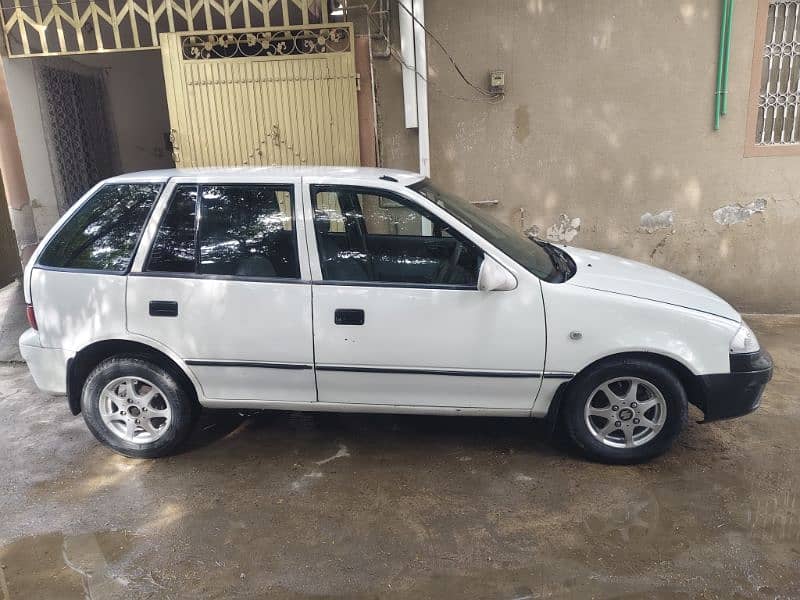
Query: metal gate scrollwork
(266, 43)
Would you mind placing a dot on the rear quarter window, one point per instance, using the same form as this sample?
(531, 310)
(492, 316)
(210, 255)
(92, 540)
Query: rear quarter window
(103, 233)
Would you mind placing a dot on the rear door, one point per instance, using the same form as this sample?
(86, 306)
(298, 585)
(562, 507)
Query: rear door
(225, 286)
(398, 318)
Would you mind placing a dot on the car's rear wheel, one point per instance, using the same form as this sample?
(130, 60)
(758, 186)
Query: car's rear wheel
(625, 411)
(137, 408)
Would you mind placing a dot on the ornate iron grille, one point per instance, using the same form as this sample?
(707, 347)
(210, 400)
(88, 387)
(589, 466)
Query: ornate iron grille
(80, 145)
(778, 119)
(287, 42)
(47, 27)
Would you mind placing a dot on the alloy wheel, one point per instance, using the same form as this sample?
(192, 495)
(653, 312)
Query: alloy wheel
(135, 410)
(625, 412)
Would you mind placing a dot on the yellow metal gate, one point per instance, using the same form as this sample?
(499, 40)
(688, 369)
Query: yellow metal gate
(283, 96)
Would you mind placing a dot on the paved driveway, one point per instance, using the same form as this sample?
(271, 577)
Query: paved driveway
(289, 505)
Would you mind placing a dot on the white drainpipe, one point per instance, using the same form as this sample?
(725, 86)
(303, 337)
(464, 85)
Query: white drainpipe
(421, 55)
(415, 73)
(409, 62)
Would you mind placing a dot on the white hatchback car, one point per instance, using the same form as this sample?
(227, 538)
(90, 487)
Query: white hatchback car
(363, 290)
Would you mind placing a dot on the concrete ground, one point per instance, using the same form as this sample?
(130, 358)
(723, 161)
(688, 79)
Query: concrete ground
(290, 505)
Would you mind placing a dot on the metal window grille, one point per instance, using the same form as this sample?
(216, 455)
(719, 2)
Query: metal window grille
(778, 121)
(81, 148)
(54, 27)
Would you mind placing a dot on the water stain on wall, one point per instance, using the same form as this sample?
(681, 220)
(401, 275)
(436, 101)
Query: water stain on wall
(522, 123)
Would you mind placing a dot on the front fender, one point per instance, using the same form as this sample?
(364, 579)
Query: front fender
(586, 325)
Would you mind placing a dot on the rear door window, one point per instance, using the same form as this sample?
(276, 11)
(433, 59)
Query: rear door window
(231, 230)
(103, 233)
(247, 231)
(174, 250)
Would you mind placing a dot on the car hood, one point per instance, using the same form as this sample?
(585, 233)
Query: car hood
(599, 271)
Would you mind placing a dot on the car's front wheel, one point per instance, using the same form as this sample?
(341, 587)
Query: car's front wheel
(625, 410)
(136, 407)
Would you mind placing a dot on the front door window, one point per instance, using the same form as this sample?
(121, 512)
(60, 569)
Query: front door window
(374, 237)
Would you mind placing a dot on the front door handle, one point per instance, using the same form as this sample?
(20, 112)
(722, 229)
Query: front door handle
(348, 316)
(163, 308)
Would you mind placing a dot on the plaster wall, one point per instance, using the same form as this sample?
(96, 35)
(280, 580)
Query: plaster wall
(605, 138)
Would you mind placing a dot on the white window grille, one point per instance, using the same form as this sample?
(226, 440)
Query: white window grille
(778, 120)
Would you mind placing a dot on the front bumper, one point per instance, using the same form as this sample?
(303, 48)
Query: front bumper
(729, 395)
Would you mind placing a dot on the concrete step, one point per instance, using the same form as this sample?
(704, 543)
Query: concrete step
(12, 322)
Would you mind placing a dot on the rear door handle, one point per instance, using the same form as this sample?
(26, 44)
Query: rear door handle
(348, 316)
(163, 308)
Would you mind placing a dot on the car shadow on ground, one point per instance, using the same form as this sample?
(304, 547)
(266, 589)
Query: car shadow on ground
(217, 428)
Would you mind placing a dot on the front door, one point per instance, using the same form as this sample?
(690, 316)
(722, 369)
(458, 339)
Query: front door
(398, 319)
(225, 286)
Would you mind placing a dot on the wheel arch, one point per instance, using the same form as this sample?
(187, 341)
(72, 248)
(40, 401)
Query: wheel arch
(85, 360)
(689, 381)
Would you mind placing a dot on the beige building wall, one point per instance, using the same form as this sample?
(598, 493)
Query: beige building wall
(608, 117)
(24, 96)
(137, 106)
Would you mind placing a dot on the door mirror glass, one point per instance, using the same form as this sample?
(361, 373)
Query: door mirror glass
(494, 277)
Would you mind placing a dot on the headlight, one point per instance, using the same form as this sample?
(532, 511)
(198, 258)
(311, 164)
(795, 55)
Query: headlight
(744, 341)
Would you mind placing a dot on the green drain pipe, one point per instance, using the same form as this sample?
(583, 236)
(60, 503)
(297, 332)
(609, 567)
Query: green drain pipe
(721, 97)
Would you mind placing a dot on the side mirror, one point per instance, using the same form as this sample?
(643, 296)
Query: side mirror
(494, 277)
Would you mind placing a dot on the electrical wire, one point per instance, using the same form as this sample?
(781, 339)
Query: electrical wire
(449, 56)
(495, 99)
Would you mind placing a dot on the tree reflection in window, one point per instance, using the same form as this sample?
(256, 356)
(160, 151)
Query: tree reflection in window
(369, 237)
(102, 234)
(174, 248)
(246, 230)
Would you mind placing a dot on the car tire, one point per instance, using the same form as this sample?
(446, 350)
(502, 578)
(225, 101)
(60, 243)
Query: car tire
(625, 411)
(137, 408)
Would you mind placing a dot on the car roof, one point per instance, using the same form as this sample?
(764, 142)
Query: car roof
(253, 173)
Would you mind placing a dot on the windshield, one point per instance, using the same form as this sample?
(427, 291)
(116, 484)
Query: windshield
(540, 258)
